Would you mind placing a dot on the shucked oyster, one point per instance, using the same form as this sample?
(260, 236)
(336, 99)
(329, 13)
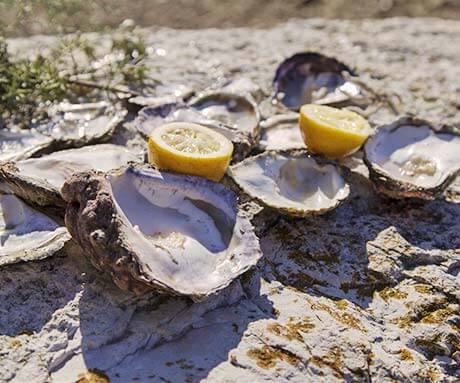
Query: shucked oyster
(177, 234)
(25, 233)
(235, 116)
(310, 77)
(39, 180)
(291, 182)
(409, 158)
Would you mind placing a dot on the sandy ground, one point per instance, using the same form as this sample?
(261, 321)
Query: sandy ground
(20, 18)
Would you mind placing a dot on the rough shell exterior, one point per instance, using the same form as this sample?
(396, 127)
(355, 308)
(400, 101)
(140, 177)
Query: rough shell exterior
(94, 222)
(35, 191)
(393, 188)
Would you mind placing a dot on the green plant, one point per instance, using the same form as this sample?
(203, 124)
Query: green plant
(28, 86)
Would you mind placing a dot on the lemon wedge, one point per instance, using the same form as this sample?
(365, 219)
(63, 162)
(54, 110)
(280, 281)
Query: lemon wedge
(190, 148)
(332, 132)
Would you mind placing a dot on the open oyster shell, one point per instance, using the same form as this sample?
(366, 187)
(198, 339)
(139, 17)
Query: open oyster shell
(69, 126)
(39, 180)
(21, 144)
(25, 233)
(310, 77)
(281, 132)
(235, 116)
(163, 94)
(292, 182)
(176, 234)
(75, 125)
(410, 158)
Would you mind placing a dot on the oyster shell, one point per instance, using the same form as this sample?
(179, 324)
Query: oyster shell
(70, 125)
(39, 180)
(410, 158)
(25, 233)
(233, 110)
(176, 234)
(163, 94)
(281, 132)
(292, 182)
(310, 77)
(21, 144)
(234, 116)
(75, 125)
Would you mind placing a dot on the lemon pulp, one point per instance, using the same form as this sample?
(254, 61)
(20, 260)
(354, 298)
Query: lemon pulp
(190, 149)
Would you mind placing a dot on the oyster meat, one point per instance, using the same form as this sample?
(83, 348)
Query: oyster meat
(410, 158)
(310, 77)
(39, 180)
(292, 182)
(235, 116)
(25, 233)
(176, 234)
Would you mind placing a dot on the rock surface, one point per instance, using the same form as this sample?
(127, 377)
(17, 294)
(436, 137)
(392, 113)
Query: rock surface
(368, 292)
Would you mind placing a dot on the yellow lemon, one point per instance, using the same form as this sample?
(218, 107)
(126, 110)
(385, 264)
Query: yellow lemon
(332, 132)
(191, 149)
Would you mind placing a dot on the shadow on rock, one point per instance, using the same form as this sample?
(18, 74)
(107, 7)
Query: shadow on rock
(335, 254)
(160, 338)
(31, 292)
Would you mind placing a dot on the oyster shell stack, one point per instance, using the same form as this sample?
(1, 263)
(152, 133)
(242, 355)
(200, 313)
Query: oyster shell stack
(39, 180)
(310, 77)
(294, 182)
(233, 115)
(410, 158)
(177, 234)
(26, 234)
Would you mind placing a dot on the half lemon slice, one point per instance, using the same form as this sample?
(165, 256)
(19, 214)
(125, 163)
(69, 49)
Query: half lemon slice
(191, 149)
(332, 132)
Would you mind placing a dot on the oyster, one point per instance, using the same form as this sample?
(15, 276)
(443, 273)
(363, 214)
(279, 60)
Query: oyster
(163, 94)
(39, 180)
(281, 132)
(74, 125)
(231, 109)
(310, 77)
(70, 125)
(176, 234)
(292, 182)
(233, 115)
(25, 233)
(21, 144)
(410, 158)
